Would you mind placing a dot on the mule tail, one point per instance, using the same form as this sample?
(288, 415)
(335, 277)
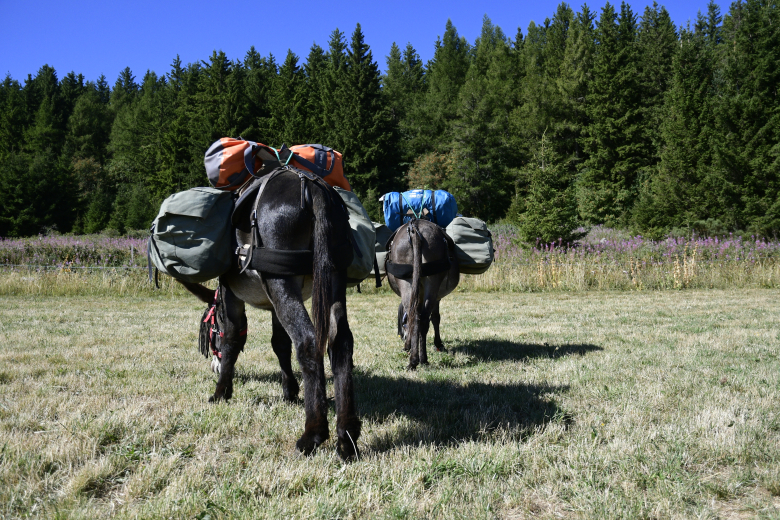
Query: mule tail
(323, 269)
(413, 318)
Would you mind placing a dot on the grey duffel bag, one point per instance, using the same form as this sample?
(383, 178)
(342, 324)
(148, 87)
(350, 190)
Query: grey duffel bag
(191, 238)
(383, 234)
(473, 244)
(364, 235)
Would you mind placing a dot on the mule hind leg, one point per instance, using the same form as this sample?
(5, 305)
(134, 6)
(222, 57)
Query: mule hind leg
(435, 320)
(341, 344)
(285, 293)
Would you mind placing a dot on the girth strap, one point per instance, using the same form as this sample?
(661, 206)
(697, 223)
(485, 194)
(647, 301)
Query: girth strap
(405, 271)
(282, 262)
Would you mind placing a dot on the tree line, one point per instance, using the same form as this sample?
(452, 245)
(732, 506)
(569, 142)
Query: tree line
(611, 118)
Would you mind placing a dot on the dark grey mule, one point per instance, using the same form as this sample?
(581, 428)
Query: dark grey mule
(421, 269)
(298, 214)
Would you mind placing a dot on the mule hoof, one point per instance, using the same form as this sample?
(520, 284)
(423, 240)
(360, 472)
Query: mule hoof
(307, 445)
(411, 367)
(289, 395)
(347, 450)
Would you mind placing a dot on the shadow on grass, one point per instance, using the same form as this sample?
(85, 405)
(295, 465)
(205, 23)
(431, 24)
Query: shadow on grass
(503, 350)
(442, 412)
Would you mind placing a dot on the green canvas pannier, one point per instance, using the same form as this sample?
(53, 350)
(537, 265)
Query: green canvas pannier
(383, 234)
(191, 238)
(473, 244)
(364, 235)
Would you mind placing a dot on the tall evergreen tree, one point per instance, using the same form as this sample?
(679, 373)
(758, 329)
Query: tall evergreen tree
(288, 104)
(550, 207)
(678, 194)
(481, 141)
(748, 117)
(446, 74)
(403, 88)
(612, 141)
(366, 132)
(657, 41)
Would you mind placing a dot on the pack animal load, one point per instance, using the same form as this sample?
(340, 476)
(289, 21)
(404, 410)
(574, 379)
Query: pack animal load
(191, 237)
(473, 244)
(230, 162)
(437, 206)
(473, 240)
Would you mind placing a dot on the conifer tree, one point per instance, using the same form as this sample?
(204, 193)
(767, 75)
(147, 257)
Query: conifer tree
(677, 195)
(612, 140)
(446, 74)
(403, 88)
(89, 126)
(125, 90)
(260, 73)
(574, 82)
(314, 70)
(550, 207)
(13, 116)
(366, 131)
(481, 133)
(287, 104)
(657, 44)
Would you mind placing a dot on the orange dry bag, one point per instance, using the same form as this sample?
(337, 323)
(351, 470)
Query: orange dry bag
(321, 160)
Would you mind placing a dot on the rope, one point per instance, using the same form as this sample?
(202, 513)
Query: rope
(410, 207)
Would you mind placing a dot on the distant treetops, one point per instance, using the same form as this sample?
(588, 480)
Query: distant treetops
(589, 118)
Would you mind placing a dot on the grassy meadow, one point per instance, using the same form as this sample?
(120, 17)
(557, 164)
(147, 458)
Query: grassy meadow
(560, 404)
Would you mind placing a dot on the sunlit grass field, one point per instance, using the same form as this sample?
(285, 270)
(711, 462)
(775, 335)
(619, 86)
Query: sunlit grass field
(661, 404)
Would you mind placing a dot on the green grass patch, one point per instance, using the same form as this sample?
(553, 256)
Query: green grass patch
(598, 405)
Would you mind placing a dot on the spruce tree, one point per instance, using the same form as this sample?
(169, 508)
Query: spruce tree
(260, 73)
(446, 74)
(657, 44)
(748, 121)
(679, 195)
(403, 88)
(607, 184)
(366, 132)
(287, 104)
(550, 208)
(481, 143)
(314, 71)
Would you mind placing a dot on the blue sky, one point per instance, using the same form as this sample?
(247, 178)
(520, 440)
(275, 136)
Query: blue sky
(103, 37)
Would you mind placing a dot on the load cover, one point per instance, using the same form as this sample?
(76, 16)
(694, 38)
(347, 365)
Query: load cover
(437, 206)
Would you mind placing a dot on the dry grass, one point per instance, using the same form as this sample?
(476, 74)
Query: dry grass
(577, 405)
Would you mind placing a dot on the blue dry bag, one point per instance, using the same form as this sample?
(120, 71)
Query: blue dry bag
(437, 206)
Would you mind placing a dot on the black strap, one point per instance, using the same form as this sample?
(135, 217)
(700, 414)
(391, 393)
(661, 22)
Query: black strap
(282, 262)
(405, 271)
(377, 276)
(149, 245)
(254, 243)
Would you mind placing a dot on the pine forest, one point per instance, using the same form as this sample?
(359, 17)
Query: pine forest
(614, 117)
